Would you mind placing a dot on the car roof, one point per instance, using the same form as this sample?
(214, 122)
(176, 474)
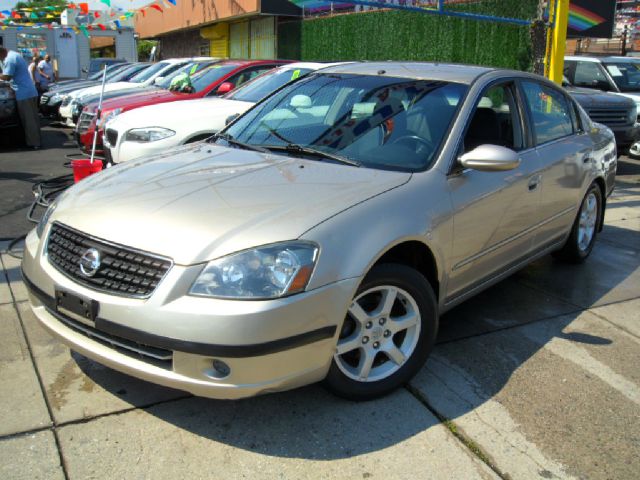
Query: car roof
(603, 59)
(312, 65)
(416, 70)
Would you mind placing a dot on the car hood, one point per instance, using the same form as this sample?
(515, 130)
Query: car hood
(193, 115)
(633, 96)
(201, 201)
(70, 87)
(595, 98)
(109, 87)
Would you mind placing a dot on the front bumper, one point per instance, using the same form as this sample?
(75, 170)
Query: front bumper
(268, 346)
(626, 136)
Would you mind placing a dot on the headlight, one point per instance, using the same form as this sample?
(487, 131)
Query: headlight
(45, 219)
(110, 115)
(55, 98)
(261, 273)
(150, 134)
(633, 114)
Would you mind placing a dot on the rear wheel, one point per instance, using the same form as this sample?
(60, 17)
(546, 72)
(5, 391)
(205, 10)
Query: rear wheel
(585, 228)
(387, 334)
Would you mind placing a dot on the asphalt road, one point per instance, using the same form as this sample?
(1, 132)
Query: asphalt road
(536, 377)
(20, 169)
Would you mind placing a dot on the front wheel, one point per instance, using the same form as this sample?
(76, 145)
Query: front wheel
(387, 334)
(585, 228)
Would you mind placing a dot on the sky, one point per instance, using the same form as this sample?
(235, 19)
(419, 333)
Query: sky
(93, 4)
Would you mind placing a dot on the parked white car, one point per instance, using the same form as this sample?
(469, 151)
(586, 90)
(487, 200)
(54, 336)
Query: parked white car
(145, 78)
(156, 128)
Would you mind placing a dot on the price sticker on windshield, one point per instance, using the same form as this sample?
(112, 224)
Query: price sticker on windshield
(295, 74)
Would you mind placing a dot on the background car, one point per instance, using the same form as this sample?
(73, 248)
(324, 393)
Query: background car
(156, 128)
(617, 112)
(10, 127)
(159, 81)
(96, 64)
(67, 107)
(52, 99)
(213, 80)
(321, 234)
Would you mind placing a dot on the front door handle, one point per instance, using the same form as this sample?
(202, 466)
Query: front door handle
(534, 182)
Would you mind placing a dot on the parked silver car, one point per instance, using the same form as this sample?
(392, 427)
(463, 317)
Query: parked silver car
(321, 234)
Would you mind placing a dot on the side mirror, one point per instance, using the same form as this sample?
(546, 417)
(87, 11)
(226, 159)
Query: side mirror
(231, 118)
(225, 87)
(158, 80)
(490, 158)
(84, 70)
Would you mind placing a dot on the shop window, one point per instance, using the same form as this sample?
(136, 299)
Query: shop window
(31, 44)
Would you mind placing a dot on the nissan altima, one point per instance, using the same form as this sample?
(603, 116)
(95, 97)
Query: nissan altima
(320, 235)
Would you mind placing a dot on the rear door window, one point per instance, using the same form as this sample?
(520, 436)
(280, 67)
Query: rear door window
(550, 112)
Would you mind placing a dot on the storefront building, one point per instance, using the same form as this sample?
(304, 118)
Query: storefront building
(255, 29)
(70, 50)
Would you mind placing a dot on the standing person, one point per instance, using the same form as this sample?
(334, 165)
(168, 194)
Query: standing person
(15, 69)
(45, 69)
(33, 72)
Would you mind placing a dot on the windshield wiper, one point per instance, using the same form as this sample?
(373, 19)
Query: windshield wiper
(299, 149)
(247, 146)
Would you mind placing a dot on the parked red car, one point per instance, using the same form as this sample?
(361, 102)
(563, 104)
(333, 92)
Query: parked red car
(216, 79)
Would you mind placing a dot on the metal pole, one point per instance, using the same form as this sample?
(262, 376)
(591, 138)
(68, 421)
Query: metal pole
(95, 132)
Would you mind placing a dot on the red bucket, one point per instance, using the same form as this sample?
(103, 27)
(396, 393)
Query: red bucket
(83, 167)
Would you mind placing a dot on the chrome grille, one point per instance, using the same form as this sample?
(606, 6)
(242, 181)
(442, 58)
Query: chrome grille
(123, 271)
(609, 116)
(84, 122)
(112, 136)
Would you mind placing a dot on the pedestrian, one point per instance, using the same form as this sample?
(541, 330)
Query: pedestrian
(15, 70)
(33, 70)
(45, 69)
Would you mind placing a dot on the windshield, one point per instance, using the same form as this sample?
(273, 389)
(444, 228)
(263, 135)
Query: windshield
(267, 83)
(379, 122)
(625, 74)
(188, 69)
(125, 74)
(149, 72)
(209, 75)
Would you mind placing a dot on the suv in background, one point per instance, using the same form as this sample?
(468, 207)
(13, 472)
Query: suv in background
(617, 75)
(615, 111)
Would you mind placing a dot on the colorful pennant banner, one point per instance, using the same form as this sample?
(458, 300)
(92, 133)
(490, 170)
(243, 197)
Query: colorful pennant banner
(45, 17)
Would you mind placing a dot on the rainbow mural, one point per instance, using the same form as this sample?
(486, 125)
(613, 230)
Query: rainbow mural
(581, 19)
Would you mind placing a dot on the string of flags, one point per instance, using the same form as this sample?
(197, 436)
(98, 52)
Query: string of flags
(45, 17)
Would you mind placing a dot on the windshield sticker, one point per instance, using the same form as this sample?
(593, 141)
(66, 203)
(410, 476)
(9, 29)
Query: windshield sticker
(194, 69)
(296, 74)
(614, 70)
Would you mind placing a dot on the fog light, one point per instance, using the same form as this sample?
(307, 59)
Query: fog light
(218, 370)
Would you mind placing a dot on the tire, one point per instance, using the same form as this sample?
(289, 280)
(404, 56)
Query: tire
(363, 367)
(585, 228)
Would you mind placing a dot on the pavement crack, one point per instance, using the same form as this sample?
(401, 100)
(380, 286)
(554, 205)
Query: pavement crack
(619, 327)
(473, 447)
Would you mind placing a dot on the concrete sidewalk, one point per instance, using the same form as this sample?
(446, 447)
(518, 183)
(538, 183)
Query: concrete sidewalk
(535, 378)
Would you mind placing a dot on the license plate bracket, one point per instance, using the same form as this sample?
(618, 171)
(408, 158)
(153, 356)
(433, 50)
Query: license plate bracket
(78, 308)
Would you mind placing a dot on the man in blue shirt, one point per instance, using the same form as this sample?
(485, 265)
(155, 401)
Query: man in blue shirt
(15, 69)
